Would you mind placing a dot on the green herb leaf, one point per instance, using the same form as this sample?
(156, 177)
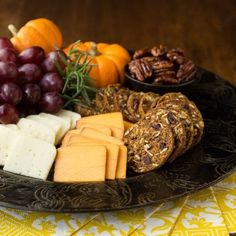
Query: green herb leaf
(77, 82)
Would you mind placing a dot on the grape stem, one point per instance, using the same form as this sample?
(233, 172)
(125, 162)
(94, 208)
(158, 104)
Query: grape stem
(12, 29)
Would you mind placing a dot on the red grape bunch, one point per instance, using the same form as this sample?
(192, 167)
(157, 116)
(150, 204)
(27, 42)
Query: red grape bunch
(29, 81)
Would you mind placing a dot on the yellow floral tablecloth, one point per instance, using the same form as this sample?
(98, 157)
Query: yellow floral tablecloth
(209, 212)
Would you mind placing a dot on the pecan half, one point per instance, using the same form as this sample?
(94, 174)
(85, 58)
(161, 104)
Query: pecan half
(159, 51)
(141, 53)
(140, 69)
(176, 55)
(186, 71)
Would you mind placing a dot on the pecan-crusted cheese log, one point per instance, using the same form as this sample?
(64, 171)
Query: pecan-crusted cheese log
(171, 117)
(85, 111)
(146, 101)
(150, 142)
(178, 99)
(115, 98)
(133, 105)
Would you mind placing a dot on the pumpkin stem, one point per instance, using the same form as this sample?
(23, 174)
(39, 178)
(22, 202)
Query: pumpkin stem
(93, 51)
(12, 29)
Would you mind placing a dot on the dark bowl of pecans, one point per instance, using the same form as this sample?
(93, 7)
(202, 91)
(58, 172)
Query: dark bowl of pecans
(160, 70)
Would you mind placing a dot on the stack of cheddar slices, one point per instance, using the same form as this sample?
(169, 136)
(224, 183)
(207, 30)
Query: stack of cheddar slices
(94, 151)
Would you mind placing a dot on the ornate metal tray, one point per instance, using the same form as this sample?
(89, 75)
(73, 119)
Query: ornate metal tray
(209, 162)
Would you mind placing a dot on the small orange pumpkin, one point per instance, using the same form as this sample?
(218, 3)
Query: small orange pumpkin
(39, 32)
(109, 60)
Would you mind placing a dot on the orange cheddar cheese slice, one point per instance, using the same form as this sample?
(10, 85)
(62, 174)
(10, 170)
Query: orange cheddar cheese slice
(91, 133)
(114, 119)
(112, 154)
(82, 163)
(127, 124)
(122, 163)
(114, 131)
(117, 132)
(101, 128)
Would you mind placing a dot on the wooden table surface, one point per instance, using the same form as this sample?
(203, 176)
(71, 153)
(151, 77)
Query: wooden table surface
(206, 29)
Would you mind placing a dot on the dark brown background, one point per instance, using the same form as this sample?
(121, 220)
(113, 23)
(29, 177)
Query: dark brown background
(206, 30)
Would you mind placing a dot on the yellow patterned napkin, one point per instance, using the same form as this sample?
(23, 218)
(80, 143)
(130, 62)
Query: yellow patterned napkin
(225, 192)
(25, 223)
(120, 223)
(201, 216)
(162, 221)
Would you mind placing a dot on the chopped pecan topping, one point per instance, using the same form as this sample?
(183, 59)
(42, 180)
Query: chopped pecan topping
(147, 160)
(171, 118)
(162, 146)
(156, 126)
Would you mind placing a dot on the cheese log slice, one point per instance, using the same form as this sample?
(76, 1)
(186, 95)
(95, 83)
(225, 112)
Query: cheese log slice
(74, 117)
(101, 128)
(51, 124)
(80, 163)
(114, 119)
(122, 163)
(91, 133)
(7, 138)
(36, 130)
(64, 122)
(112, 153)
(30, 157)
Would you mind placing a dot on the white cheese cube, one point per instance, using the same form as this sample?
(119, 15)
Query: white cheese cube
(12, 126)
(64, 122)
(51, 124)
(7, 138)
(72, 115)
(30, 157)
(36, 130)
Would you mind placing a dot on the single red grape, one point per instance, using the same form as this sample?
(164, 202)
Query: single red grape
(8, 114)
(51, 82)
(31, 55)
(7, 54)
(10, 93)
(49, 63)
(8, 72)
(6, 43)
(25, 109)
(29, 73)
(51, 102)
(31, 93)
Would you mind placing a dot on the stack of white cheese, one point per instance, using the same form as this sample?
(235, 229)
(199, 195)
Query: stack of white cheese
(28, 148)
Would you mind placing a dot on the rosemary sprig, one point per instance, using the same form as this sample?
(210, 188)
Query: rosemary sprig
(77, 87)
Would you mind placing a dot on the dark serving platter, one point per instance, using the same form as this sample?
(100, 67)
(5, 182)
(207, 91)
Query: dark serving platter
(212, 160)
